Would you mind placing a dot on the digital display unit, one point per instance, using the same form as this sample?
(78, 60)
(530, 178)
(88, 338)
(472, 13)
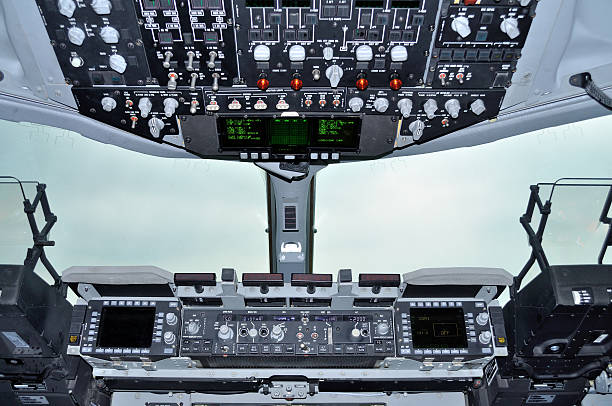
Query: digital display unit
(438, 328)
(126, 327)
(288, 134)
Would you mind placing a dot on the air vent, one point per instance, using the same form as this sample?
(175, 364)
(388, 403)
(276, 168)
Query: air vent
(202, 301)
(540, 399)
(266, 302)
(290, 217)
(310, 302)
(373, 302)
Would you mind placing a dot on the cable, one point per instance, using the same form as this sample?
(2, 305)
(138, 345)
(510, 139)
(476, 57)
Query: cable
(584, 81)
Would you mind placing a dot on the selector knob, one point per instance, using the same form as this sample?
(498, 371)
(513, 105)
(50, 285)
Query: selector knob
(193, 327)
(253, 332)
(510, 27)
(355, 334)
(381, 104)
(109, 35)
(66, 7)
(169, 337)
(170, 106)
(101, 7)
(328, 53)
(145, 106)
(485, 337)
(405, 107)
(382, 329)
(334, 73)
(364, 53)
(171, 319)
(155, 127)
(76, 36)
(453, 107)
(416, 128)
(225, 333)
(478, 107)
(355, 104)
(108, 104)
(430, 107)
(261, 53)
(399, 53)
(525, 3)
(482, 318)
(277, 333)
(461, 25)
(117, 63)
(297, 53)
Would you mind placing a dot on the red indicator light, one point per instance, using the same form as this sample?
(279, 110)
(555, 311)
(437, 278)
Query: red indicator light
(395, 84)
(263, 83)
(296, 83)
(361, 84)
(470, 2)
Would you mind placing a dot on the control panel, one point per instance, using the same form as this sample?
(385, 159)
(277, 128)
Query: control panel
(180, 72)
(122, 328)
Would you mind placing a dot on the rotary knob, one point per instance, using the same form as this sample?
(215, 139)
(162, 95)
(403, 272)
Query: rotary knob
(355, 334)
(145, 106)
(117, 63)
(76, 36)
(364, 53)
(328, 53)
(510, 27)
(381, 104)
(405, 107)
(225, 333)
(478, 107)
(525, 3)
(485, 337)
(170, 106)
(297, 53)
(253, 332)
(461, 25)
(355, 104)
(277, 333)
(453, 107)
(261, 53)
(399, 53)
(101, 7)
(334, 73)
(482, 318)
(108, 104)
(430, 107)
(382, 329)
(193, 327)
(156, 125)
(109, 35)
(416, 128)
(66, 7)
(169, 337)
(171, 319)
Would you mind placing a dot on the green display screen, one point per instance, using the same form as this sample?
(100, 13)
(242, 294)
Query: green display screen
(289, 132)
(242, 132)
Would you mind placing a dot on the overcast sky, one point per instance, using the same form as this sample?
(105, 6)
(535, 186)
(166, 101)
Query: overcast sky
(453, 208)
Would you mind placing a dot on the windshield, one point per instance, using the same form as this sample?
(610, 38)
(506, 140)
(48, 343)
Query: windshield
(453, 208)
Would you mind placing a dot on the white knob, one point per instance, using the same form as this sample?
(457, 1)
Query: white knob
(416, 128)
(261, 53)
(297, 53)
(109, 35)
(334, 74)
(155, 127)
(169, 337)
(485, 337)
(117, 63)
(76, 36)
(277, 333)
(355, 104)
(145, 106)
(525, 3)
(482, 318)
(510, 27)
(193, 327)
(76, 61)
(101, 7)
(108, 104)
(453, 107)
(364, 53)
(171, 319)
(66, 7)
(170, 106)
(478, 107)
(355, 334)
(382, 329)
(461, 25)
(328, 53)
(430, 107)
(405, 107)
(225, 333)
(381, 104)
(253, 332)
(399, 53)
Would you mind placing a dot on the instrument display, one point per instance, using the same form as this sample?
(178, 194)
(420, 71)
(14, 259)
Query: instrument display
(135, 323)
(438, 328)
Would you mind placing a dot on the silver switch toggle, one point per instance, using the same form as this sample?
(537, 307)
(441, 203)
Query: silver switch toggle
(170, 106)
(167, 58)
(212, 55)
(190, 56)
